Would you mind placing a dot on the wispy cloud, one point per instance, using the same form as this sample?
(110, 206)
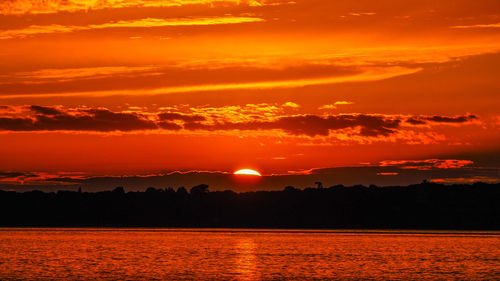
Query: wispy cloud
(464, 180)
(335, 104)
(291, 105)
(13, 7)
(367, 74)
(490, 25)
(63, 74)
(140, 23)
(420, 120)
(40, 178)
(427, 164)
(357, 14)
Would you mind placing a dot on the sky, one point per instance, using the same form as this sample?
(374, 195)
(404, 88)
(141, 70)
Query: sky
(99, 93)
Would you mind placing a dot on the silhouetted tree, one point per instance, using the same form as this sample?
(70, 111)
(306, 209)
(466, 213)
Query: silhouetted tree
(119, 190)
(152, 190)
(199, 189)
(182, 191)
(169, 190)
(422, 206)
(289, 188)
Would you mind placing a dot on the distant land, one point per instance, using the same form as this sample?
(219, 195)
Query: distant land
(397, 175)
(426, 205)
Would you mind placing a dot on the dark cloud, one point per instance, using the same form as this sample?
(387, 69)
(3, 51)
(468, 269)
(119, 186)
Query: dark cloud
(16, 124)
(311, 125)
(315, 125)
(169, 126)
(421, 120)
(50, 119)
(416, 121)
(7, 175)
(44, 110)
(168, 116)
(41, 118)
(427, 164)
(444, 119)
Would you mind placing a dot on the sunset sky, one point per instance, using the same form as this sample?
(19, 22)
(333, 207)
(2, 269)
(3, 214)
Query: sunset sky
(179, 92)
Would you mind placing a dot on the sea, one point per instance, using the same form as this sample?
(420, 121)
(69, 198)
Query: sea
(247, 254)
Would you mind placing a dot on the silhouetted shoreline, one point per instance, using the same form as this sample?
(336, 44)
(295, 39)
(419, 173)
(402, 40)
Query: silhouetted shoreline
(422, 206)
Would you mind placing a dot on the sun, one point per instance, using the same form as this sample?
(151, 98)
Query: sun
(247, 172)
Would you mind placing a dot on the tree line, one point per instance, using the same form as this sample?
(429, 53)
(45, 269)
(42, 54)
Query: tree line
(421, 206)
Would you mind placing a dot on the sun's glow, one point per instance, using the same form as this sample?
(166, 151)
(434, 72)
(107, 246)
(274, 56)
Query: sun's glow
(248, 172)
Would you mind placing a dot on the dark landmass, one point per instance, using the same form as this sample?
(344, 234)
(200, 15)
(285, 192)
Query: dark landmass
(412, 172)
(422, 206)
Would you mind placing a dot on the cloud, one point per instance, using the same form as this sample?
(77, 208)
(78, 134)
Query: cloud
(444, 119)
(357, 14)
(327, 106)
(12, 175)
(168, 116)
(44, 110)
(141, 23)
(342, 102)
(420, 120)
(427, 164)
(251, 117)
(15, 7)
(334, 105)
(387, 174)
(66, 74)
(51, 119)
(166, 125)
(491, 25)
(290, 104)
(41, 178)
(361, 75)
(466, 180)
(311, 125)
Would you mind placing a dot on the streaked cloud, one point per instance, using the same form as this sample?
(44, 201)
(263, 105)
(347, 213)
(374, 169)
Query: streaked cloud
(387, 174)
(468, 180)
(440, 119)
(490, 25)
(14, 7)
(367, 74)
(427, 164)
(66, 74)
(357, 14)
(40, 178)
(141, 23)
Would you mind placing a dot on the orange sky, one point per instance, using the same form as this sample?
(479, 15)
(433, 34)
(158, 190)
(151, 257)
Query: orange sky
(136, 87)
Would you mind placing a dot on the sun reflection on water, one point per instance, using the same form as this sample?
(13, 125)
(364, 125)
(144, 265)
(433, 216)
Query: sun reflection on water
(245, 263)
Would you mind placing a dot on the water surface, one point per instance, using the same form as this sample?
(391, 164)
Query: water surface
(159, 254)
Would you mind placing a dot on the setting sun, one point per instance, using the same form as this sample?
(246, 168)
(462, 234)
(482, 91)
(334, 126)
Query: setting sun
(247, 172)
